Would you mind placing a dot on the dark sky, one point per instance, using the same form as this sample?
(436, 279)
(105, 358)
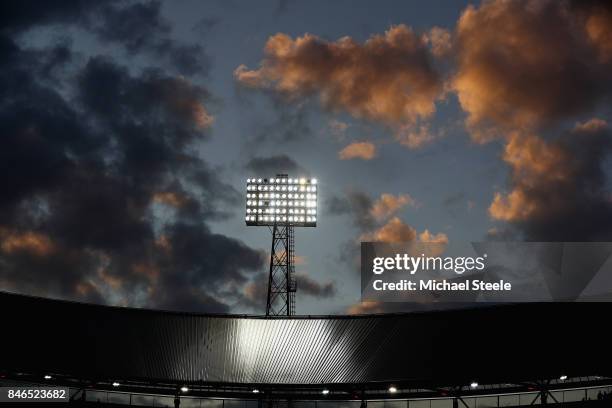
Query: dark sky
(128, 130)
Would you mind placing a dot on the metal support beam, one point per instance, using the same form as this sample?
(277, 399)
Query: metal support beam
(281, 280)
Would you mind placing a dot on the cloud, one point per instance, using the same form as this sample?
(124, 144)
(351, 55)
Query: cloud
(28, 242)
(415, 138)
(256, 292)
(428, 237)
(311, 287)
(389, 204)
(388, 79)
(528, 64)
(138, 27)
(169, 198)
(358, 150)
(440, 41)
(591, 125)
(355, 203)
(367, 212)
(558, 187)
(395, 230)
(18, 17)
(92, 155)
(369, 307)
(598, 25)
(107, 88)
(272, 165)
(338, 128)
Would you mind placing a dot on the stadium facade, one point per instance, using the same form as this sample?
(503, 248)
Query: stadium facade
(521, 348)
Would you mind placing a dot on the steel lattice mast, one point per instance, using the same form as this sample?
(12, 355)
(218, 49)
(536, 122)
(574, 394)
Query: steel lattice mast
(281, 203)
(281, 281)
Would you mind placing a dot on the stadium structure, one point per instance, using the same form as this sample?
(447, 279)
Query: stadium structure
(504, 355)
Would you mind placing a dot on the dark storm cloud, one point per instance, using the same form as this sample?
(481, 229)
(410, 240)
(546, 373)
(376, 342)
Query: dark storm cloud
(139, 27)
(311, 287)
(102, 196)
(199, 263)
(17, 16)
(358, 204)
(271, 165)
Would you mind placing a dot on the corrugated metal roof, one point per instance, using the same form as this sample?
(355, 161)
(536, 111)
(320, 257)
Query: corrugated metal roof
(494, 343)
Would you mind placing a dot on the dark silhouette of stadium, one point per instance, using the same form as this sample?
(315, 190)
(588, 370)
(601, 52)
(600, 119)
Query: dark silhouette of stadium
(449, 357)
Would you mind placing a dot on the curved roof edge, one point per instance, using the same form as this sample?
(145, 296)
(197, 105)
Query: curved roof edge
(490, 345)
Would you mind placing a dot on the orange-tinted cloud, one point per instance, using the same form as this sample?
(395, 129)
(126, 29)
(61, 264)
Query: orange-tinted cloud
(428, 237)
(439, 40)
(598, 26)
(163, 243)
(415, 137)
(558, 187)
(368, 307)
(358, 150)
(182, 100)
(169, 198)
(535, 163)
(30, 242)
(395, 230)
(147, 269)
(388, 79)
(526, 64)
(591, 125)
(389, 204)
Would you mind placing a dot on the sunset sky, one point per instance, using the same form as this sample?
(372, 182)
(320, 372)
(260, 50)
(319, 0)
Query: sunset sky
(128, 130)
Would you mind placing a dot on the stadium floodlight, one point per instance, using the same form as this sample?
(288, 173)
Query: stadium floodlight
(392, 389)
(474, 384)
(281, 201)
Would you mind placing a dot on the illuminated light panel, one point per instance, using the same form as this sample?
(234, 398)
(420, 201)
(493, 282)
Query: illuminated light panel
(281, 201)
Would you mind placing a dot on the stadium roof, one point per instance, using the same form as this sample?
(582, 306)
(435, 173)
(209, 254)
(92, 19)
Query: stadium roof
(510, 344)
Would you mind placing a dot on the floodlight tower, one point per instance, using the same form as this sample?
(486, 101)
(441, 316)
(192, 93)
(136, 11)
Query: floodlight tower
(281, 203)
